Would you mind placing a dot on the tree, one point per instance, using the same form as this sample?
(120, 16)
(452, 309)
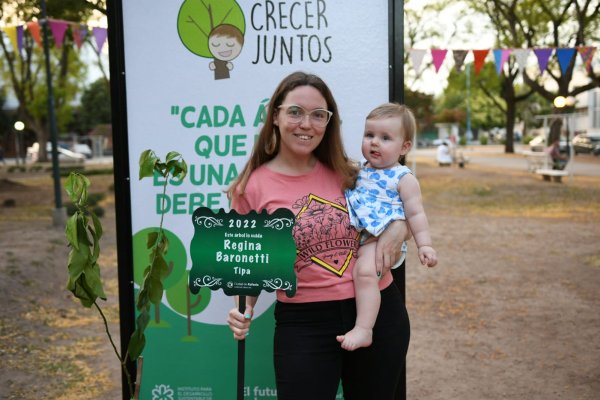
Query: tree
(25, 72)
(540, 23)
(486, 110)
(94, 108)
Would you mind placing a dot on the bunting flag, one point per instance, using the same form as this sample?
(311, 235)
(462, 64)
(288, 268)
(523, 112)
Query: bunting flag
(11, 32)
(459, 58)
(34, 30)
(500, 57)
(20, 38)
(479, 56)
(438, 58)
(521, 58)
(58, 29)
(416, 58)
(564, 55)
(100, 34)
(587, 53)
(543, 55)
(76, 31)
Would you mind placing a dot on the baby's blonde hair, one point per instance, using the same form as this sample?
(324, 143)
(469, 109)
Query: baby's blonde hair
(395, 110)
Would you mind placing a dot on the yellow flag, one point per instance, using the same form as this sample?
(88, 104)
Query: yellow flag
(11, 32)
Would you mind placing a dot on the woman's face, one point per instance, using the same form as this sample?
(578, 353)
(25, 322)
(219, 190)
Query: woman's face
(300, 139)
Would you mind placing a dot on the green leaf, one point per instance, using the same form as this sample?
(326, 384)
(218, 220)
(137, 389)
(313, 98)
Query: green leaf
(161, 267)
(71, 230)
(147, 163)
(136, 345)
(155, 289)
(142, 321)
(152, 237)
(94, 282)
(97, 225)
(172, 155)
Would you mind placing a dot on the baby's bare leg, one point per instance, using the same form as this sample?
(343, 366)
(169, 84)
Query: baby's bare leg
(368, 298)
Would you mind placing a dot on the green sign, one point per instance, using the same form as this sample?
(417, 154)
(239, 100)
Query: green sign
(243, 254)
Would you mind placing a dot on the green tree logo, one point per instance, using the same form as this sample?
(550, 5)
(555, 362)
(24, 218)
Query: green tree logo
(185, 302)
(213, 29)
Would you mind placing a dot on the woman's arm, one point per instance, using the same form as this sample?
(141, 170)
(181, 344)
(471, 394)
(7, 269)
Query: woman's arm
(389, 244)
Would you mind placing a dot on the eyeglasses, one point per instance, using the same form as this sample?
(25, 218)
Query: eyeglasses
(318, 118)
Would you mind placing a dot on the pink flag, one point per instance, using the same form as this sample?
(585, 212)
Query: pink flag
(34, 30)
(543, 55)
(416, 58)
(58, 29)
(100, 34)
(459, 58)
(500, 57)
(587, 54)
(479, 56)
(438, 58)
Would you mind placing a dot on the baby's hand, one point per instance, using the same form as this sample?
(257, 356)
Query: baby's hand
(428, 256)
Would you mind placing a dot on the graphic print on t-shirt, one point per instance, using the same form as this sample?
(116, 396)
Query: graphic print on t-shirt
(322, 233)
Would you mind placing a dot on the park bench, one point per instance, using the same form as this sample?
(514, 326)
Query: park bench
(552, 174)
(535, 160)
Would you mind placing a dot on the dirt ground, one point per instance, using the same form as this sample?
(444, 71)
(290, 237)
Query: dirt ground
(510, 312)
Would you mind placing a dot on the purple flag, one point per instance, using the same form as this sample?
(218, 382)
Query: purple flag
(543, 55)
(100, 35)
(20, 37)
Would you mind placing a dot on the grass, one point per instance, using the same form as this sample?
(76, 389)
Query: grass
(512, 196)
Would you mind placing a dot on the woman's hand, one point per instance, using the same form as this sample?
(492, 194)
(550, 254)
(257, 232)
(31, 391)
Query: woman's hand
(389, 244)
(240, 323)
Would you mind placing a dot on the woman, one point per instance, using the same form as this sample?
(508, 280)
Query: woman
(299, 163)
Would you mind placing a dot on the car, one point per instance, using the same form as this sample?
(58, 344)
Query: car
(64, 155)
(584, 143)
(82, 148)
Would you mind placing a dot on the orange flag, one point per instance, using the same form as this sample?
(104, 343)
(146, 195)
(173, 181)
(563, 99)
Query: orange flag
(479, 56)
(34, 29)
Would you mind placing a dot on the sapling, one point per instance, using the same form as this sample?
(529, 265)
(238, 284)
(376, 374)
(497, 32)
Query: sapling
(83, 232)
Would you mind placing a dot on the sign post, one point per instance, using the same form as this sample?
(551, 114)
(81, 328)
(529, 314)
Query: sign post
(243, 255)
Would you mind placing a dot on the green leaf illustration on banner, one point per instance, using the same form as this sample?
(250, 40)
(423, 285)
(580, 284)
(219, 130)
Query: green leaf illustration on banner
(243, 254)
(197, 19)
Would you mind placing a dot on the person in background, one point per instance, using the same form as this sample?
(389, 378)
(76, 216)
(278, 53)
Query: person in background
(443, 156)
(385, 191)
(298, 162)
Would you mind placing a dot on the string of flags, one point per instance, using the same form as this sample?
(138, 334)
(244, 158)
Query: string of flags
(58, 28)
(564, 56)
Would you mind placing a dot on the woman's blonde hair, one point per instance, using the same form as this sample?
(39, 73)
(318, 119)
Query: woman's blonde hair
(330, 151)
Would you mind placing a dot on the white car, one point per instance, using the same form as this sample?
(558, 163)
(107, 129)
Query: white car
(64, 155)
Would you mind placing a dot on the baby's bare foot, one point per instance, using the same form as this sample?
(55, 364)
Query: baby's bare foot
(357, 337)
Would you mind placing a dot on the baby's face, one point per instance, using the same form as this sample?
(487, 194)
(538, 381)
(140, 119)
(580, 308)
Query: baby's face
(224, 48)
(383, 142)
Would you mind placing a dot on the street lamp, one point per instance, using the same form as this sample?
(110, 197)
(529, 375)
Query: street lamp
(19, 126)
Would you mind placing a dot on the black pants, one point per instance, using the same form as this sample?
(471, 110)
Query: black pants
(309, 362)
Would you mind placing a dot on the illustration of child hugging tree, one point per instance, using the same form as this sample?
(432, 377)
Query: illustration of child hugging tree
(221, 41)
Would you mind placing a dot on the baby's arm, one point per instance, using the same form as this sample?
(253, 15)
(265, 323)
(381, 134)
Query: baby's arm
(410, 193)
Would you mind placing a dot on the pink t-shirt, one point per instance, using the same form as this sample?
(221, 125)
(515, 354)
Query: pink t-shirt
(326, 243)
